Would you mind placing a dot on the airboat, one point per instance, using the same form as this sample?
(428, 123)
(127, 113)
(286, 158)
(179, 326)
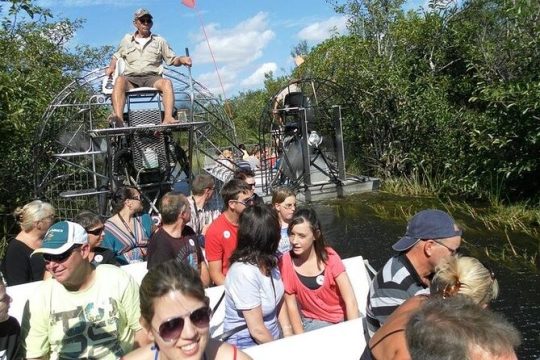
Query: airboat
(80, 160)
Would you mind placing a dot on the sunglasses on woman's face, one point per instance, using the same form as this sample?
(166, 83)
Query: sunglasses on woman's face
(171, 329)
(96, 232)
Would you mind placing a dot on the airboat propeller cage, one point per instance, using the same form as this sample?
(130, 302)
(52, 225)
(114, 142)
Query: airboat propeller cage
(79, 160)
(304, 128)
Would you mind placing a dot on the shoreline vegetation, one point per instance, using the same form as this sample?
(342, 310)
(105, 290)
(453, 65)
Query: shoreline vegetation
(518, 224)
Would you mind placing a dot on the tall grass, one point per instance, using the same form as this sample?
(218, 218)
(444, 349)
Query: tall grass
(419, 183)
(494, 214)
(501, 217)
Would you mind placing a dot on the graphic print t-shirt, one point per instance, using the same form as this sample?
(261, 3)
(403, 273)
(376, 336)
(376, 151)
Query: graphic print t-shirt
(98, 322)
(163, 247)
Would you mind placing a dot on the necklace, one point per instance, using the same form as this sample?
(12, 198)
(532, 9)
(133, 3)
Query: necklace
(127, 227)
(197, 220)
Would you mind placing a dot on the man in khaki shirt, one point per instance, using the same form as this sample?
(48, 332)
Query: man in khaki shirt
(143, 54)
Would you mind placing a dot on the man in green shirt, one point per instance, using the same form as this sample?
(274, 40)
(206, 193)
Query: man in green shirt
(83, 311)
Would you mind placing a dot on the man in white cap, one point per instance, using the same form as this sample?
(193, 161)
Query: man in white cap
(143, 54)
(83, 311)
(432, 235)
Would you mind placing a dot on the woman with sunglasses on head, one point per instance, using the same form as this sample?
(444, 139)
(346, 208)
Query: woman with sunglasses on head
(253, 286)
(94, 228)
(18, 265)
(318, 291)
(176, 315)
(457, 276)
(128, 231)
(284, 202)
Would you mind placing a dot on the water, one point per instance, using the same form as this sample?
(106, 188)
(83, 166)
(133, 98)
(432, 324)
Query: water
(352, 227)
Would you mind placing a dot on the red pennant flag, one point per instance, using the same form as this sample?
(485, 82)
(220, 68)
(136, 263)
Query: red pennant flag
(189, 3)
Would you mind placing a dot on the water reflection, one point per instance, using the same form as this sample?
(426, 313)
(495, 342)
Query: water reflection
(353, 227)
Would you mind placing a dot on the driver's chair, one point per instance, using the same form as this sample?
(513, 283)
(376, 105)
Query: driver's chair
(145, 158)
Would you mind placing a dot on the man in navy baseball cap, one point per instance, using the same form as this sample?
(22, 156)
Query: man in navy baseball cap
(429, 224)
(431, 237)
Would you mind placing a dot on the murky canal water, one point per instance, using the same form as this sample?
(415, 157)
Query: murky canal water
(353, 227)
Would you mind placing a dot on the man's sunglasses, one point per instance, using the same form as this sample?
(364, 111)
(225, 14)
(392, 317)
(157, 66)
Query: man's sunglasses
(247, 202)
(145, 20)
(452, 251)
(60, 258)
(171, 329)
(96, 232)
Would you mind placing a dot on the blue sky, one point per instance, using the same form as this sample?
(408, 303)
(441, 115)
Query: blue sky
(247, 37)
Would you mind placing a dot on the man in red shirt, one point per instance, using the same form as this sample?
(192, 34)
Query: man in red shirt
(221, 236)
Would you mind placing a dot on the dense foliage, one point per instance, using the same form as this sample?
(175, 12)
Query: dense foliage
(36, 63)
(449, 96)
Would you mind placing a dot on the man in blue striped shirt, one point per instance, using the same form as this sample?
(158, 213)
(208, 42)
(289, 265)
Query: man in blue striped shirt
(431, 236)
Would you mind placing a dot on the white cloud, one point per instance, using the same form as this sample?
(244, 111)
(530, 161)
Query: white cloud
(322, 30)
(257, 78)
(235, 50)
(210, 80)
(237, 46)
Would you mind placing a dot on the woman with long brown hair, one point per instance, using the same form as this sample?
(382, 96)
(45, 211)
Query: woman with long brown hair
(128, 231)
(254, 311)
(318, 291)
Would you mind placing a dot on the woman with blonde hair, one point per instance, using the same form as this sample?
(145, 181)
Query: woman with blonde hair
(18, 265)
(465, 276)
(284, 202)
(458, 276)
